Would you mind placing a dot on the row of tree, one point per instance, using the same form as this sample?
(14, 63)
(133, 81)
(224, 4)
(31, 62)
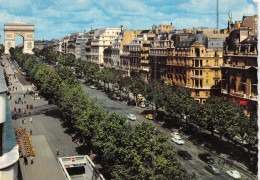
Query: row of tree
(219, 114)
(123, 152)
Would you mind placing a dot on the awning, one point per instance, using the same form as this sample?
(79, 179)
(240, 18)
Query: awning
(243, 102)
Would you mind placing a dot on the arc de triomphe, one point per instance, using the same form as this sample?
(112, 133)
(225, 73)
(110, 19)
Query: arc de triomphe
(25, 30)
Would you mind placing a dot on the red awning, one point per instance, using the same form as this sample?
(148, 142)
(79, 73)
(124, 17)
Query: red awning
(234, 100)
(243, 102)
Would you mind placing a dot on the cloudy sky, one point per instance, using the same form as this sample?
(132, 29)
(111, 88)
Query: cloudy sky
(56, 18)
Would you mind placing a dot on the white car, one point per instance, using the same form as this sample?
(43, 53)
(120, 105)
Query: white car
(142, 105)
(234, 174)
(92, 87)
(177, 140)
(173, 134)
(131, 117)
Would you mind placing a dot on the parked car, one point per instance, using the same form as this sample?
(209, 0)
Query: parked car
(185, 155)
(239, 140)
(142, 105)
(156, 131)
(206, 158)
(212, 169)
(149, 116)
(131, 117)
(92, 87)
(234, 174)
(177, 140)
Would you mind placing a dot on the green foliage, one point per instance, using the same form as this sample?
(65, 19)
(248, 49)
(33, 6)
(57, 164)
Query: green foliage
(125, 153)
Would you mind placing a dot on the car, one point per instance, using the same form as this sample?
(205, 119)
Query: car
(184, 154)
(175, 134)
(156, 132)
(177, 140)
(142, 105)
(239, 140)
(131, 117)
(16, 72)
(212, 169)
(234, 174)
(149, 116)
(92, 87)
(206, 158)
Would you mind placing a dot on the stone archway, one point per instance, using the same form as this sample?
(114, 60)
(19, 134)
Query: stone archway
(25, 30)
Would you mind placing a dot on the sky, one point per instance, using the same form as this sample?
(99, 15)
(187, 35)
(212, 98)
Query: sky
(56, 18)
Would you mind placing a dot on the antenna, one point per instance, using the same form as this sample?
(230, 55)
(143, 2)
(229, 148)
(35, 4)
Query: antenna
(217, 14)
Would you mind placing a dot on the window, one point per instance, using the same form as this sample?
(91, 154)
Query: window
(207, 61)
(197, 51)
(201, 72)
(196, 83)
(197, 93)
(207, 93)
(201, 83)
(200, 63)
(216, 72)
(216, 62)
(207, 81)
(216, 82)
(196, 63)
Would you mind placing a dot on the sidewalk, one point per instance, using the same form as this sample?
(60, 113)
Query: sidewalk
(45, 164)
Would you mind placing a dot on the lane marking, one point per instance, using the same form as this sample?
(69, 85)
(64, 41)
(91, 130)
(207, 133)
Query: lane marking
(196, 172)
(207, 172)
(203, 150)
(192, 162)
(200, 160)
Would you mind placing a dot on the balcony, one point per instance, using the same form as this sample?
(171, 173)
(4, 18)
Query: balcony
(237, 94)
(254, 98)
(196, 77)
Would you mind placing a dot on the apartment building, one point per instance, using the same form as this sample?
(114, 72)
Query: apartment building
(103, 38)
(239, 69)
(139, 53)
(158, 54)
(193, 65)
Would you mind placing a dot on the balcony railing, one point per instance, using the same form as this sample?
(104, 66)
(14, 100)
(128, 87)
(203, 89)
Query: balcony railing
(196, 76)
(241, 95)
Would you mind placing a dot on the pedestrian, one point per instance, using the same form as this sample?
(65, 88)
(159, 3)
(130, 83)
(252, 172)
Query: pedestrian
(24, 111)
(16, 88)
(24, 95)
(25, 160)
(10, 97)
(25, 101)
(14, 109)
(27, 106)
(30, 119)
(30, 131)
(13, 88)
(31, 159)
(29, 111)
(58, 151)
(19, 110)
